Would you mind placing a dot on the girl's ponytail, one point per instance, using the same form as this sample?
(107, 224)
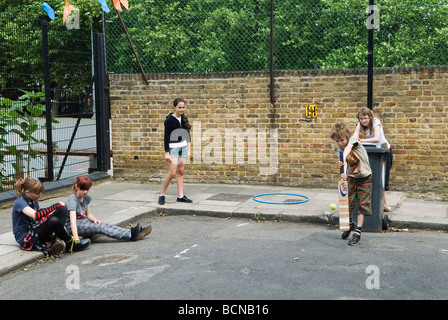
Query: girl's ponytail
(32, 185)
(19, 186)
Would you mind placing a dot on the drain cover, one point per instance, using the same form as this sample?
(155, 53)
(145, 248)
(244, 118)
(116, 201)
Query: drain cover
(230, 197)
(110, 259)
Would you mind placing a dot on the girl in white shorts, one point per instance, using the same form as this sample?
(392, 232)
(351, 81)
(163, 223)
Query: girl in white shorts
(177, 149)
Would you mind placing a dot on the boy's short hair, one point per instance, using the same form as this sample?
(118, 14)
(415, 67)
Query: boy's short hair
(340, 130)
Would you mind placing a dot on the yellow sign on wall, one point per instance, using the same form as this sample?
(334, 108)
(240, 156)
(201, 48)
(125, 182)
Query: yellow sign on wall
(311, 111)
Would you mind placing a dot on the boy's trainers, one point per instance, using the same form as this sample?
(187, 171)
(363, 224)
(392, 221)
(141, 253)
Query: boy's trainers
(345, 234)
(355, 240)
(162, 200)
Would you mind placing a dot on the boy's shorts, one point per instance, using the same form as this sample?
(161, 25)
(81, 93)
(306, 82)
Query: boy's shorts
(360, 193)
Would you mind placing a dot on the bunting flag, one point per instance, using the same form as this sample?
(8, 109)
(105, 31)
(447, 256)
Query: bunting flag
(123, 2)
(104, 5)
(49, 10)
(67, 10)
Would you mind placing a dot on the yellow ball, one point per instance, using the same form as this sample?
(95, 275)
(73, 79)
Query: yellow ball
(333, 206)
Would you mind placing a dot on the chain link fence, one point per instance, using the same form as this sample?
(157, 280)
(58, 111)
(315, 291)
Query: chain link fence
(234, 35)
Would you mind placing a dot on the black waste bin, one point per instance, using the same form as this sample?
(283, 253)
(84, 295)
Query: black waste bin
(377, 221)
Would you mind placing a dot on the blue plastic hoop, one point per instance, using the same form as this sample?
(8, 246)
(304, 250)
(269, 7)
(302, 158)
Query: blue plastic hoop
(283, 193)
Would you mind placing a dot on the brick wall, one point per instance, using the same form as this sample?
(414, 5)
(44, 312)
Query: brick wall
(278, 144)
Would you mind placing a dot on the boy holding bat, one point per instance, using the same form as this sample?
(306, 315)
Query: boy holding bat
(358, 174)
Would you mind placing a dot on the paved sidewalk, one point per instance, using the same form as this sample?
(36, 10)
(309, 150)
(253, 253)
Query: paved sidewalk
(123, 203)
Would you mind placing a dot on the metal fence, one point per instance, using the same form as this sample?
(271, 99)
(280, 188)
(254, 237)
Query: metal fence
(23, 56)
(235, 35)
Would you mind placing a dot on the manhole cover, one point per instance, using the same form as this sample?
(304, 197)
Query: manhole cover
(230, 197)
(110, 259)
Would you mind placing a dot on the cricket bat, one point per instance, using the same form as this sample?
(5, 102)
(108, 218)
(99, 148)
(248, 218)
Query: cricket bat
(344, 221)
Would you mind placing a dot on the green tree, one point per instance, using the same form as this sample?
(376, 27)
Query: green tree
(192, 36)
(233, 35)
(21, 37)
(411, 33)
(204, 35)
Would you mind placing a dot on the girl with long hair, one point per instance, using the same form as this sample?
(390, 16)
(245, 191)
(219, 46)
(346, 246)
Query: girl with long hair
(177, 149)
(370, 130)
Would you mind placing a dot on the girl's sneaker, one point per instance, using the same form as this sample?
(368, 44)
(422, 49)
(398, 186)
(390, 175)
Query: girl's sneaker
(345, 234)
(184, 199)
(57, 248)
(138, 233)
(355, 240)
(77, 245)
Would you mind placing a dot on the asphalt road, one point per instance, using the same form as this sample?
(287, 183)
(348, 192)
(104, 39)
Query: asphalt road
(202, 258)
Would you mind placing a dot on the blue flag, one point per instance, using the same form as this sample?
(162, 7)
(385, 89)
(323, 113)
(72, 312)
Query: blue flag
(104, 5)
(49, 10)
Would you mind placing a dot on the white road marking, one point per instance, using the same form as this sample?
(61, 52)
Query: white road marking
(185, 251)
(242, 224)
